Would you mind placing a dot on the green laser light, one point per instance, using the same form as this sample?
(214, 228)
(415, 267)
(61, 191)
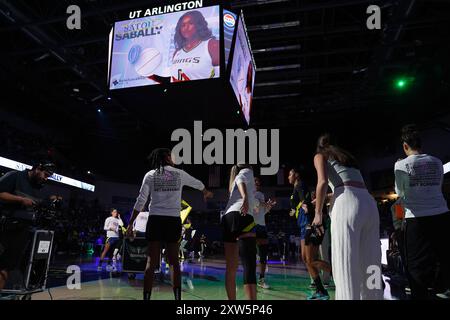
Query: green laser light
(401, 83)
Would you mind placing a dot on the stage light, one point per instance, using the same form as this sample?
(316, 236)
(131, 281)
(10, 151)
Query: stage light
(99, 110)
(237, 112)
(403, 82)
(109, 98)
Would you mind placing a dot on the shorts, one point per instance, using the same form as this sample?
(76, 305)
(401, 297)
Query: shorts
(113, 241)
(235, 224)
(261, 232)
(15, 238)
(302, 221)
(140, 234)
(307, 233)
(163, 229)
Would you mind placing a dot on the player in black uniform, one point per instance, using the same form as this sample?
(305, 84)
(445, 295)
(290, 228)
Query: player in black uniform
(302, 210)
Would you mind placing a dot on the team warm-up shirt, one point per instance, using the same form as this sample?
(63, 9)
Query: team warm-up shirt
(164, 189)
(193, 64)
(418, 182)
(114, 223)
(261, 211)
(140, 224)
(235, 201)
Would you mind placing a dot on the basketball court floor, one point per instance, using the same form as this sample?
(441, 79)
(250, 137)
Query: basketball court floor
(202, 280)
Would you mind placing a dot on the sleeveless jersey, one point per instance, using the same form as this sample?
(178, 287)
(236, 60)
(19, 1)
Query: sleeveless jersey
(193, 64)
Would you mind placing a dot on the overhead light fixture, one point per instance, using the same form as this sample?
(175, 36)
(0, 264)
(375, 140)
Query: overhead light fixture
(97, 98)
(283, 67)
(76, 90)
(277, 83)
(276, 49)
(360, 70)
(241, 4)
(274, 26)
(277, 96)
(42, 57)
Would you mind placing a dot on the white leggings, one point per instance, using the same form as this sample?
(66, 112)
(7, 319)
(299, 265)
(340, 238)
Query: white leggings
(355, 245)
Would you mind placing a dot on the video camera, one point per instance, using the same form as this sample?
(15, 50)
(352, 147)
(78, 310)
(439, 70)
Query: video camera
(42, 214)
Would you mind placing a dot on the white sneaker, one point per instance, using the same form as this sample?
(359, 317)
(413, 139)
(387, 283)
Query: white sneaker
(263, 284)
(113, 268)
(109, 268)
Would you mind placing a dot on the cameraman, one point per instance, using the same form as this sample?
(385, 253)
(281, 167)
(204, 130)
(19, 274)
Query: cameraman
(17, 191)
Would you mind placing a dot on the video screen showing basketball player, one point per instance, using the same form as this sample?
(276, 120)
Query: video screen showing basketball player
(197, 51)
(245, 85)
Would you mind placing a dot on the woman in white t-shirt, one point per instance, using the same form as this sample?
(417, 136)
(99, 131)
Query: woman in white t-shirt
(163, 185)
(112, 228)
(140, 224)
(238, 225)
(418, 182)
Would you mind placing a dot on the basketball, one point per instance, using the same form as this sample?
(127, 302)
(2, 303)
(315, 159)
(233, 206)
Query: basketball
(134, 53)
(147, 62)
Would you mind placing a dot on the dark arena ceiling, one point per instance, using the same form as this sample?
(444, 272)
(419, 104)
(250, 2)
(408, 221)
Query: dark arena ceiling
(318, 69)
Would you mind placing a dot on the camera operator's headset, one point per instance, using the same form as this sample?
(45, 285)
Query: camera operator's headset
(47, 166)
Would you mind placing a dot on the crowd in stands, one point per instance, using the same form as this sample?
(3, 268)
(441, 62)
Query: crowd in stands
(26, 146)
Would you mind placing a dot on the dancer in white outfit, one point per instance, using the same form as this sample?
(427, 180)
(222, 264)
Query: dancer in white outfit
(355, 241)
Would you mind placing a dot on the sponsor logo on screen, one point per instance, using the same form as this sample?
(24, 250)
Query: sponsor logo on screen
(229, 20)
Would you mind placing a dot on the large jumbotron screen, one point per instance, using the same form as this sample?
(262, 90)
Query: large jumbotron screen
(243, 70)
(172, 47)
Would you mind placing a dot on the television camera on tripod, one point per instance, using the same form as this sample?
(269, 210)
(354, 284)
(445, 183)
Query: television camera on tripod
(25, 241)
